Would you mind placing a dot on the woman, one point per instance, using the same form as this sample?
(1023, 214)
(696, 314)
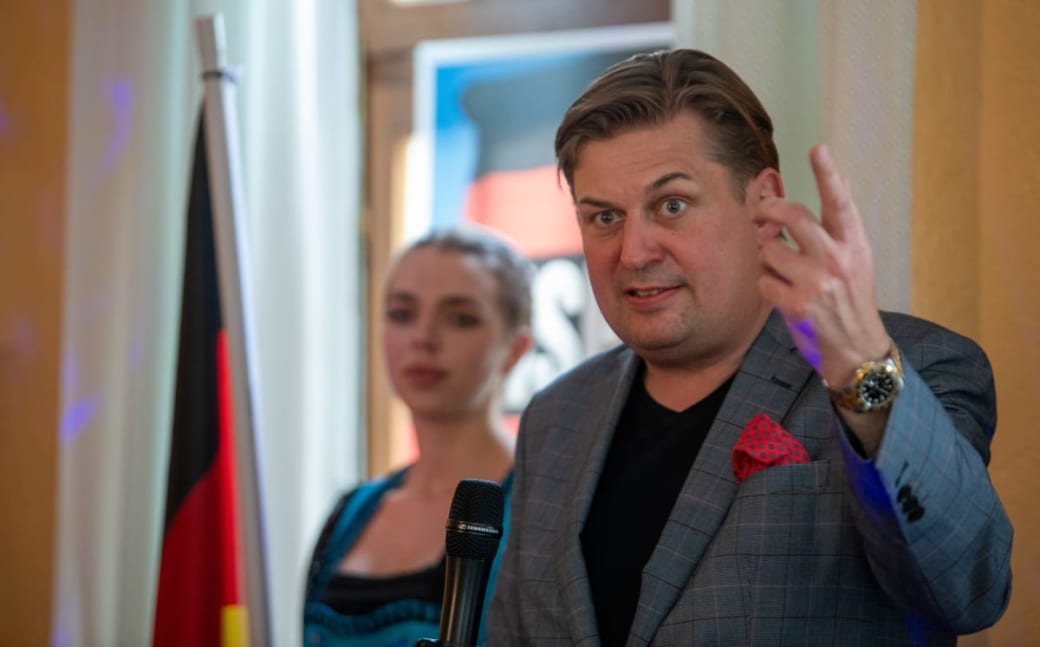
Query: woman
(457, 319)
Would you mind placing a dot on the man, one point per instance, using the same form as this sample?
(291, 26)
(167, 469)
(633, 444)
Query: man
(654, 503)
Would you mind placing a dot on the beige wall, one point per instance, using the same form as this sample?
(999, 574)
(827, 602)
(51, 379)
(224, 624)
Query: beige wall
(33, 80)
(975, 232)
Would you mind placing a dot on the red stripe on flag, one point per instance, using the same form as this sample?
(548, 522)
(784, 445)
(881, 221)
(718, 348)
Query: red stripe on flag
(201, 566)
(231, 584)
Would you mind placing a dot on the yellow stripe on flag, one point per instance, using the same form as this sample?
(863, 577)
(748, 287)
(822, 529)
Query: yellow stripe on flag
(234, 632)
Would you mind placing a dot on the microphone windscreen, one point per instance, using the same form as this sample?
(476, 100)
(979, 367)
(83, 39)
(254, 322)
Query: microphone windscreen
(474, 525)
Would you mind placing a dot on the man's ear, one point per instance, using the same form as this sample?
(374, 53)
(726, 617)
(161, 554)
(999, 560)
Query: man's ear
(766, 185)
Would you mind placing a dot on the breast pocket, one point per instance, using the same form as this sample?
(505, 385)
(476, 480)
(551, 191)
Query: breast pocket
(788, 508)
(795, 540)
(790, 518)
(801, 477)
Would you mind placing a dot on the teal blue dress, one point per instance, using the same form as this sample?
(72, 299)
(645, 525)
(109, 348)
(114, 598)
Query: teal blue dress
(389, 622)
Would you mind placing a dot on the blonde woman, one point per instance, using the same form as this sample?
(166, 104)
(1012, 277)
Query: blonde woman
(457, 320)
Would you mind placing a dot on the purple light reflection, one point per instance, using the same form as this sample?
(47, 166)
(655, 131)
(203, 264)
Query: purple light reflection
(79, 413)
(804, 336)
(77, 416)
(120, 101)
(60, 636)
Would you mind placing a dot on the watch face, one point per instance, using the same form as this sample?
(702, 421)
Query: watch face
(877, 387)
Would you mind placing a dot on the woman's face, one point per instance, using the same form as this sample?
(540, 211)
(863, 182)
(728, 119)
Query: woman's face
(445, 339)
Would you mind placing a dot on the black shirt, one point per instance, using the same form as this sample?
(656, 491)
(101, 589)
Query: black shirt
(648, 461)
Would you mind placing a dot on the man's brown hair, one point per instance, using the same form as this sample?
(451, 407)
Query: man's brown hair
(649, 89)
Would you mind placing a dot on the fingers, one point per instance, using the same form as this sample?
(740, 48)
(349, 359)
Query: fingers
(837, 211)
(786, 264)
(786, 298)
(796, 284)
(839, 220)
(825, 288)
(802, 226)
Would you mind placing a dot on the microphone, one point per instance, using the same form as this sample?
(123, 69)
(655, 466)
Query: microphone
(473, 532)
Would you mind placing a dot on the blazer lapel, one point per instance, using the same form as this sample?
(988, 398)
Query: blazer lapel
(768, 381)
(608, 399)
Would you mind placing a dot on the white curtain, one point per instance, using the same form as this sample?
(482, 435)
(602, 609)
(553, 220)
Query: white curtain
(134, 102)
(834, 71)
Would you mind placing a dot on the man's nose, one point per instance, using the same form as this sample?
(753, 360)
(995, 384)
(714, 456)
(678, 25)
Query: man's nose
(639, 243)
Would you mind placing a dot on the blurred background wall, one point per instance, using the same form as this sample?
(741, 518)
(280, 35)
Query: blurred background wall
(34, 64)
(974, 235)
(965, 163)
(98, 107)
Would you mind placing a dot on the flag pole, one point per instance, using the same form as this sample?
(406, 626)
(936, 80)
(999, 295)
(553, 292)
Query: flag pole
(232, 268)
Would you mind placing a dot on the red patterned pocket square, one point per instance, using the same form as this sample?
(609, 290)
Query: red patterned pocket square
(764, 443)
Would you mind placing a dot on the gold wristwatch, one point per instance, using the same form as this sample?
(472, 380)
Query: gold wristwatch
(874, 386)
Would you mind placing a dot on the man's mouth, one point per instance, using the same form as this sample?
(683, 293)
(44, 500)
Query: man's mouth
(645, 293)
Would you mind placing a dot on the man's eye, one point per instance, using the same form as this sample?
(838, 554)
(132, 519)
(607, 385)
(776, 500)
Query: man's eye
(673, 207)
(606, 218)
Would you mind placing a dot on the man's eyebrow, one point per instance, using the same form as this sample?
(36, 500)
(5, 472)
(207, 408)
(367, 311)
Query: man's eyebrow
(666, 178)
(654, 186)
(602, 204)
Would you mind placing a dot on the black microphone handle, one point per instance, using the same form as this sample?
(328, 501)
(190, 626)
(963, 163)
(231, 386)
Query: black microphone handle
(465, 583)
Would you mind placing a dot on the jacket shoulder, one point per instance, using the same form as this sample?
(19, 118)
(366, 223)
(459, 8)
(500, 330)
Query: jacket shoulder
(916, 336)
(602, 368)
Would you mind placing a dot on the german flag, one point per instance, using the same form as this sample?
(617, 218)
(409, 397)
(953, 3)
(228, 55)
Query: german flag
(200, 598)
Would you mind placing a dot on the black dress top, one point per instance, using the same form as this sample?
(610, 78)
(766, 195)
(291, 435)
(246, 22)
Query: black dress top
(357, 594)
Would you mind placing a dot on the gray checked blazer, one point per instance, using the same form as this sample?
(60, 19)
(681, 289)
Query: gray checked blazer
(912, 547)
